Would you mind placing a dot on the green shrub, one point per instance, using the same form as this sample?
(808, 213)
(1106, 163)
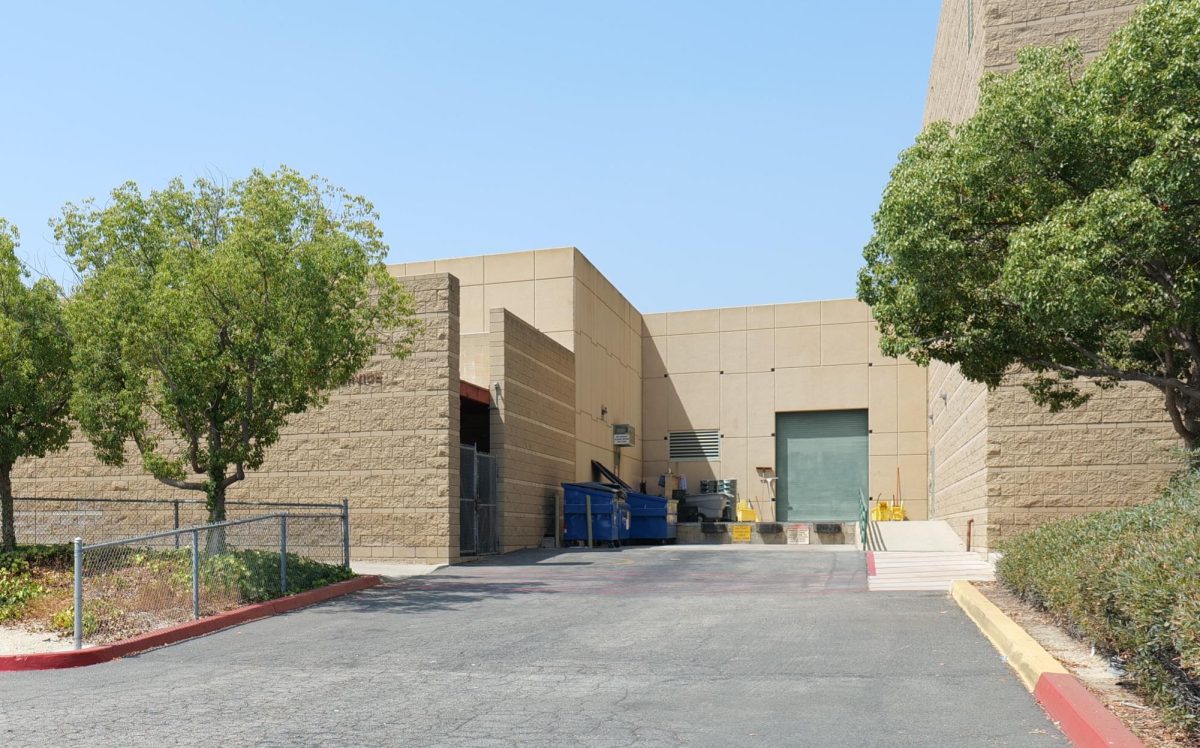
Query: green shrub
(17, 588)
(63, 622)
(55, 556)
(254, 575)
(1128, 580)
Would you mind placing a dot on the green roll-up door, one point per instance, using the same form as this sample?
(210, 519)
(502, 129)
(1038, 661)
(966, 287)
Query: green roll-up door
(821, 461)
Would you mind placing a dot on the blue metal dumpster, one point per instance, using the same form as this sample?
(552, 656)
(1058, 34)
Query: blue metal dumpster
(651, 517)
(610, 513)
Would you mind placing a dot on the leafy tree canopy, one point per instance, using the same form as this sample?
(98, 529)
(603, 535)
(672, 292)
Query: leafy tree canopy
(207, 315)
(1058, 229)
(35, 372)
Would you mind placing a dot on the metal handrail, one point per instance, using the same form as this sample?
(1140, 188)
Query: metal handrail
(343, 509)
(228, 502)
(182, 530)
(80, 548)
(864, 517)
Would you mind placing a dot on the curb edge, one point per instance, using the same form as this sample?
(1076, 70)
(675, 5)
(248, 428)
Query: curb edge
(1083, 719)
(180, 632)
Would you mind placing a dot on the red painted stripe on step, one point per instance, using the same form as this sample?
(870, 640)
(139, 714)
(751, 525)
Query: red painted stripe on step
(870, 563)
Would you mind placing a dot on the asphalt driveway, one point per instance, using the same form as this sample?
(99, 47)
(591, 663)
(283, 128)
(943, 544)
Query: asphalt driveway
(723, 646)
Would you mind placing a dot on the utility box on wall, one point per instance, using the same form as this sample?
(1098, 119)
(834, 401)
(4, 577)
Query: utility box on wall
(623, 435)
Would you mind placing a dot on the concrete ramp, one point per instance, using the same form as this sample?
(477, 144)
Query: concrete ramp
(924, 535)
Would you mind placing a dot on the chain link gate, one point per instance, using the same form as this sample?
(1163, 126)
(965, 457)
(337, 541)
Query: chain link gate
(478, 521)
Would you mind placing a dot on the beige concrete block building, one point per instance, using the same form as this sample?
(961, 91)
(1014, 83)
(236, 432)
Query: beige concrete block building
(525, 364)
(527, 361)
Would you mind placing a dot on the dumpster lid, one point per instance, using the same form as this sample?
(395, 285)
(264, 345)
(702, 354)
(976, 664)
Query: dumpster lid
(595, 486)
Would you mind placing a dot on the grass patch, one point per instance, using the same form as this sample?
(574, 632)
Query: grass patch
(1128, 580)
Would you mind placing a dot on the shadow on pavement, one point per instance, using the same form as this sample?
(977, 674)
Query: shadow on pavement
(429, 593)
(542, 557)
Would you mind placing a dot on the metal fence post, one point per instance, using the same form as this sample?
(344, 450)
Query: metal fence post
(346, 533)
(587, 501)
(195, 573)
(78, 593)
(176, 503)
(283, 554)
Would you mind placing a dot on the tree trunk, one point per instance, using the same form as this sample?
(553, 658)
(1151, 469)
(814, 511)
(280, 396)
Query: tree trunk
(7, 521)
(214, 488)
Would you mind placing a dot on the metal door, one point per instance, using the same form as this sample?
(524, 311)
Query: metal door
(478, 525)
(821, 460)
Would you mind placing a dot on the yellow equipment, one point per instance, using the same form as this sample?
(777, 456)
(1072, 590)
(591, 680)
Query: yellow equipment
(745, 513)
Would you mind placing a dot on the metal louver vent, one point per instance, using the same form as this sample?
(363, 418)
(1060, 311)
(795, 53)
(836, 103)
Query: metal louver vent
(694, 445)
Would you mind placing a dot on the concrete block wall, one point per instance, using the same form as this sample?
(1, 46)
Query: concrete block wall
(996, 457)
(532, 425)
(387, 443)
(1117, 450)
(1011, 25)
(734, 369)
(958, 444)
(958, 62)
(982, 36)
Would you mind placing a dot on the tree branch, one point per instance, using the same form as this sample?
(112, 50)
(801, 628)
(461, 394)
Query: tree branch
(1162, 383)
(187, 485)
(188, 426)
(239, 473)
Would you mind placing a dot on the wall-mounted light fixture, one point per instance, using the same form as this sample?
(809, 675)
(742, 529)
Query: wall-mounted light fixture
(944, 398)
(603, 412)
(496, 387)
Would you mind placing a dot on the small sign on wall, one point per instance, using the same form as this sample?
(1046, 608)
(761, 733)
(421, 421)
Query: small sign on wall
(741, 533)
(797, 534)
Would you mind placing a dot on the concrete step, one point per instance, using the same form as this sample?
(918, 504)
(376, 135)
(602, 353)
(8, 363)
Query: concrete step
(926, 570)
(920, 535)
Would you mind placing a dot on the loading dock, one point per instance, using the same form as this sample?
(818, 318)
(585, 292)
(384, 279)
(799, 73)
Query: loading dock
(822, 460)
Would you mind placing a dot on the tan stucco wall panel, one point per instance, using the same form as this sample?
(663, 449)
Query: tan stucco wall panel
(843, 344)
(508, 267)
(882, 384)
(797, 346)
(775, 359)
(515, 296)
(821, 388)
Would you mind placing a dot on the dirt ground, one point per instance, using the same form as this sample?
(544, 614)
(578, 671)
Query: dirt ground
(1091, 669)
(14, 640)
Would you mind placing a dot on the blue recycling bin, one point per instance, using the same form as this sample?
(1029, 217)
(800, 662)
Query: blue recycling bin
(610, 513)
(651, 517)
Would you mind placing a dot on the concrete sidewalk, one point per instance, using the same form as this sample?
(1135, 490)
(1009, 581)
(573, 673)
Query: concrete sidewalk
(644, 646)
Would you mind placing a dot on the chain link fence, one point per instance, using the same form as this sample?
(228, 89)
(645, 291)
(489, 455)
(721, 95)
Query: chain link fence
(50, 521)
(132, 585)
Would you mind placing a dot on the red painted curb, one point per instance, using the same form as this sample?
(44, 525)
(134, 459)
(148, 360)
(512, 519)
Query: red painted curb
(870, 563)
(1080, 715)
(189, 630)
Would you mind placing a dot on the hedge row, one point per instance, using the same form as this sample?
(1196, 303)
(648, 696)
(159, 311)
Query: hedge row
(1128, 580)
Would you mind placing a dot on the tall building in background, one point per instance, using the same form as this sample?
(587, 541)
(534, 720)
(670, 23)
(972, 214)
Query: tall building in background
(999, 463)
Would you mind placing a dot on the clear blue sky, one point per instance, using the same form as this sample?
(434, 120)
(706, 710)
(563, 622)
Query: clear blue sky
(700, 153)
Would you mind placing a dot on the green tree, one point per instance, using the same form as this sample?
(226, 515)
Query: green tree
(1058, 229)
(206, 316)
(35, 373)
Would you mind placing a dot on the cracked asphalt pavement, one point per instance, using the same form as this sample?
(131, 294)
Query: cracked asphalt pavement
(668, 646)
